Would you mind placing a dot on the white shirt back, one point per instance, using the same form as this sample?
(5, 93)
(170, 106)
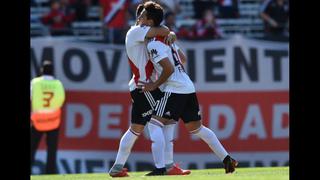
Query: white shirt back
(179, 82)
(137, 53)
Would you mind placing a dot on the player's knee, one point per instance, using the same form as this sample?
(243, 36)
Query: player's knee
(137, 128)
(159, 141)
(157, 137)
(161, 119)
(193, 126)
(168, 146)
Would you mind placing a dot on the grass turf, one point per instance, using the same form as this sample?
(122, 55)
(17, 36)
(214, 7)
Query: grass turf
(264, 173)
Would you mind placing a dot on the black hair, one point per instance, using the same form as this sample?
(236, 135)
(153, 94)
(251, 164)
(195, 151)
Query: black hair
(139, 10)
(47, 68)
(154, 12)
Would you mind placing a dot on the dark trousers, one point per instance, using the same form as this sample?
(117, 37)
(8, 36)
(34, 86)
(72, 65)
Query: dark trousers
(52, 145)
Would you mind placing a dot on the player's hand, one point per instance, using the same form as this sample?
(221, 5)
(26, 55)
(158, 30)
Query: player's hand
(147, 86)
(170, 38)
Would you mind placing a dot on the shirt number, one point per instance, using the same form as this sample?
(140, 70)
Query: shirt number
(47, 98)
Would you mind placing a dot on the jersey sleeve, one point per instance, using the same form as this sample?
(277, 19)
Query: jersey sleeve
(157, 51)
(139, 33)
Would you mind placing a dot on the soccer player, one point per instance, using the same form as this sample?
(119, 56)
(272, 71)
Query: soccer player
(142, 102)
(179, 97)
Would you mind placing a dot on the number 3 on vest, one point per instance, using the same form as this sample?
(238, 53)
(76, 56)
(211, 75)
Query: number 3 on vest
(47, 98)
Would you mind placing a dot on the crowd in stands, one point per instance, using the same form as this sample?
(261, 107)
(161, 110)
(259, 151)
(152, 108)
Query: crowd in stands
(118, 15)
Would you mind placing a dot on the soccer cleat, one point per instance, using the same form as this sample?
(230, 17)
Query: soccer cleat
(229, 164)
(157, 172)
(176, 170)
(122, 173)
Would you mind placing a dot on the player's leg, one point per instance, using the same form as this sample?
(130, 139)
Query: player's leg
(126, 143)
(208, 136)
(140, 115)
(52, 146)
(35, 139)
(155, 127)
(172, 168)
(168, 131)
(192, 119)
(157, 147)
(170, 110)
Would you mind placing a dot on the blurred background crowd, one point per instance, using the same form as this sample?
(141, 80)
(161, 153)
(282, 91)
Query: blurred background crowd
(109, 20)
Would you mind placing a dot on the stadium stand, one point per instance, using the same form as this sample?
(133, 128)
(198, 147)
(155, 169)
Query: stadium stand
(249, 23)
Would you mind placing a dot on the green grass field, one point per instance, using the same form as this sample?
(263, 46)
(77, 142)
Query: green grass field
(267, 173)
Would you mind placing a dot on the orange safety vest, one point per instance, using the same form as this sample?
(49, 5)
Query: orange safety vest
(46, 121)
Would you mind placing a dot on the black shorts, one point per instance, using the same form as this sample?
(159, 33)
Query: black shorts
(175, 106)
(142, 105)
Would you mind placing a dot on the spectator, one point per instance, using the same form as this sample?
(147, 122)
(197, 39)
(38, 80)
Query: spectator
(170, 21)
(67, 8)
(47, 98)
(200, 5)
(228, 8)
(57, 21)
(275, 14)
(115, 18)
(206, 28)
(170, 6)
(81, 10)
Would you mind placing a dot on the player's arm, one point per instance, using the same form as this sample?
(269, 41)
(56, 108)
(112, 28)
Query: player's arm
(159, 56)
(163, 31)
(167, 70)
(158, 31)
(142, 32)
(182, 56)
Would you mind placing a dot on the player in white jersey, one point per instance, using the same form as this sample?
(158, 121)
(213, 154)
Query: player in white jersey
(142, 103)
(180, 100)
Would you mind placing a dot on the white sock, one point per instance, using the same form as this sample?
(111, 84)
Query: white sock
(168, 131)
(126, 143)
(211, 139)
(158, 142)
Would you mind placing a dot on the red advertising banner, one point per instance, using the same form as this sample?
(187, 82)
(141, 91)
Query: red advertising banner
(243, 121)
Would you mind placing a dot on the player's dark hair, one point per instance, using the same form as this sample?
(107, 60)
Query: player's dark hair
(154, 12)
(47, 68)
(139, 10)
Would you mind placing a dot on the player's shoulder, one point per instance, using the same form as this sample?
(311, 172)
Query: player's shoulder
(155, 44)
(138, 28)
